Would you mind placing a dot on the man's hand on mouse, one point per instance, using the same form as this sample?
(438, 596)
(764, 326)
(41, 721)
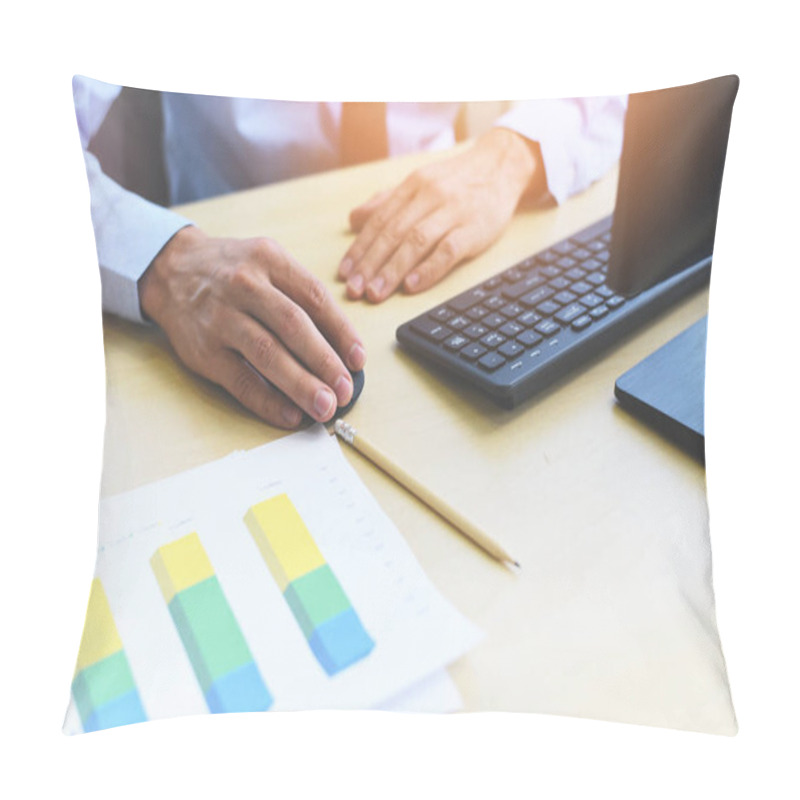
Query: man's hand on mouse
(244, 314)
(441, 215)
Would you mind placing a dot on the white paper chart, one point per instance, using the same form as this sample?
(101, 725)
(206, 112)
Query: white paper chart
(267, 580)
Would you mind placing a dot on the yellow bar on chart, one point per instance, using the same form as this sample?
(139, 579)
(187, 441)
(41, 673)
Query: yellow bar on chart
(283, 539)
(181, 564)
(100, 637)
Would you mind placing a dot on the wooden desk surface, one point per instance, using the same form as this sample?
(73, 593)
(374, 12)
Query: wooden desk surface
(587, 499)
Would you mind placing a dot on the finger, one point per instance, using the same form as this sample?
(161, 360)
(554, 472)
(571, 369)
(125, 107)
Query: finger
(386, 242)
(419, 242)
(380, 216)
(267, 355)
(360, 214)
(295, 329)
(450, 252)
(253, 392)
(307, 291)
(284, 273)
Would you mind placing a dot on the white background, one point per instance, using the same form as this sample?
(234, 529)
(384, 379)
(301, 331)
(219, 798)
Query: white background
(53, 387)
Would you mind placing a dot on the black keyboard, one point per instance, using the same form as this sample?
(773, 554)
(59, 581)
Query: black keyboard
(523, 329)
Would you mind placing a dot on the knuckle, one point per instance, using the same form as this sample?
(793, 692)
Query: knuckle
(317, 295)
(389, 237)
(438, 191)
(291, 317)
(414, 181)
(265, 249)
(240, 278)
(243, 386)
(448, 250)
(379, 220)
(327, 363)
(265, 349)
(418, 238)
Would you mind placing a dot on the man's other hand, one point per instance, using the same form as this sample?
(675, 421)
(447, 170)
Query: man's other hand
(439, 216)
(244, 314)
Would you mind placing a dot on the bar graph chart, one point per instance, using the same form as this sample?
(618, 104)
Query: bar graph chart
(316, 598)
(103, 687)
(211, 636)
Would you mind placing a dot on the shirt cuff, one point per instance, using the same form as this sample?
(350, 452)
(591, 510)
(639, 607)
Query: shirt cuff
(129, 233)
(579, 138)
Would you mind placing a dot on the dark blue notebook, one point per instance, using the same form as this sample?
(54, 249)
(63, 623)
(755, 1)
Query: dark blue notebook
(667, 389)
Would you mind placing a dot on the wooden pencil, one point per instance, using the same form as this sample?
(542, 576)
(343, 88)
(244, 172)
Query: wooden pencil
(348, 433)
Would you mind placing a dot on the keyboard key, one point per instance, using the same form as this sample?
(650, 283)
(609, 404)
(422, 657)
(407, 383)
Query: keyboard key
(595, 246)
(475, 331)
(563, 247)
(468, 299)
(512, 275)
(492, 339)
(569, 313)
(565, 297)
(581, 287)
(548, 308)
(547, 327)
(592, 263)
(459, 322)
(536, 296)
(604, 291)
(581, 322)
(567, 263)
(493, 283)
(472, 352)
(529, 338)
(575, 274)
(593, 232)
(596, 278)
(528, 319)
(580, 254)
(547, 257)
(599, 311)
(511, 310)
(591, 300)
(456, 342)
(441, 314)
(493, 320)
(431, 329)
(615, 301)
(520, 287)
(495, 303)
(491, 361)
(510, 349)
(560, 282)
(476, 312)
(550, 271)
(511, 328)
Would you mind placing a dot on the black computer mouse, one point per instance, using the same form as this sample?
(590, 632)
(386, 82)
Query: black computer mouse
(358, 387)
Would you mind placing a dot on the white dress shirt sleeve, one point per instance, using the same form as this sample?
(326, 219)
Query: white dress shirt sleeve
(580, 138)
(129, 231)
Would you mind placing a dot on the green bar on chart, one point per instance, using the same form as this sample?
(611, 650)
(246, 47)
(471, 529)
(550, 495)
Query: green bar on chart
(316, 598)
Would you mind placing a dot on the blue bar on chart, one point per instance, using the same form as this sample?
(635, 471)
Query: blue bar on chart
(322, 609)
(103, 687)
(211, 636)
